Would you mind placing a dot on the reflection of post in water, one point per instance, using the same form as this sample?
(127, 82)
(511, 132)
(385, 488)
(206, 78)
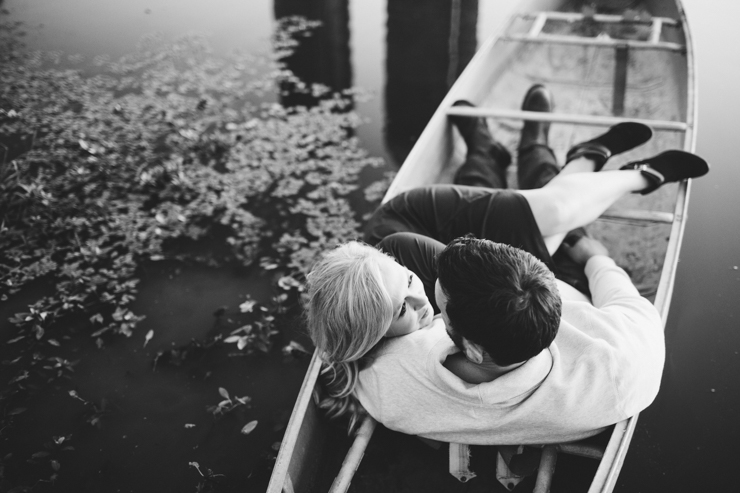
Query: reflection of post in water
(323, 57)
(429, 44)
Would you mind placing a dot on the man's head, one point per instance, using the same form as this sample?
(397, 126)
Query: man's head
(499, 297)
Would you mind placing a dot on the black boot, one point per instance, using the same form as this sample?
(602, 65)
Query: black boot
(667, 167)
(486, 160)
(534, 133)
(619, 138)
(536, 164)
(474, 131)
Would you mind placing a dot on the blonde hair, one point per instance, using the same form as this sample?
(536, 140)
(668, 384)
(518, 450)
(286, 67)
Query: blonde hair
(348, 312)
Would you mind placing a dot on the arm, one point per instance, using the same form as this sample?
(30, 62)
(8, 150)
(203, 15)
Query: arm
(626, 324)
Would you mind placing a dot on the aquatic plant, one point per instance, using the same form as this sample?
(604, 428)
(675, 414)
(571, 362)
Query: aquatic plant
(107, 166)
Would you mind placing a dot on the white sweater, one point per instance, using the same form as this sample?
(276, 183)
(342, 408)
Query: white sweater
(604, 365)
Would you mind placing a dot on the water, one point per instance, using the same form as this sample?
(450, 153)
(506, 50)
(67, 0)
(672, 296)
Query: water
(687, 439)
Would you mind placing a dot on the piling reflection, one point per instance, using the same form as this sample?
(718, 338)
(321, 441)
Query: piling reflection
(428, 45)
(324, 57)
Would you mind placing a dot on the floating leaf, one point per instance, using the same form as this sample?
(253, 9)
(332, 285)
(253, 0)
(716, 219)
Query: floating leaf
(55, 465)
(39, 455)
(53, 342)
(189, 425)
(17, 410)
(249, 427)
(224, 393)
(247, 306)
(148, 337)
(294, 346)
(196, 466)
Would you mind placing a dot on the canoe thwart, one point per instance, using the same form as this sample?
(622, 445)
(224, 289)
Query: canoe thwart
(595, 120)
(639, 215)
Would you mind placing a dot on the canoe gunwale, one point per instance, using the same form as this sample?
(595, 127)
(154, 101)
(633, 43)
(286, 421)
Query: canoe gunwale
(605, 478)
(606, 475)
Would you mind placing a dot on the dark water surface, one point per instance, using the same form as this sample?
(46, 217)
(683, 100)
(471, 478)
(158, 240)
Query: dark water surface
(686, 441)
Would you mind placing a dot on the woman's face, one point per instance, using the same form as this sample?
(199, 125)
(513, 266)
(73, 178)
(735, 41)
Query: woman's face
(411, 308)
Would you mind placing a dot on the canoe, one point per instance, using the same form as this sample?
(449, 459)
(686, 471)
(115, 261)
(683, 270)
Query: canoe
(628, 60)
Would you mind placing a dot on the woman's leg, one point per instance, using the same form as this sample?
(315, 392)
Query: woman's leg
(553, 242)
(574, 199)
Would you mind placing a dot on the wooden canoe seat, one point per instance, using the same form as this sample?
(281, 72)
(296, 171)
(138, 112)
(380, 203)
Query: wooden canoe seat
(459, 458)
(540, 19)
(460, 461)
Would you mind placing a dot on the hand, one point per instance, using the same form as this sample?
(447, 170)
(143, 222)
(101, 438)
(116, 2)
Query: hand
(584, 249)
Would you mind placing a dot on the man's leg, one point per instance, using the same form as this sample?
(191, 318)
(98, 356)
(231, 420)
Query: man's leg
(486, 159)
(536, 164)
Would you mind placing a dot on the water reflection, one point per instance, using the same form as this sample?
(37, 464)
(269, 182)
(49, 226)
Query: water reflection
(323, 57)
(444, 32)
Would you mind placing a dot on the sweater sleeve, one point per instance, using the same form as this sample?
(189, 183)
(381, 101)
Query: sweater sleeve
(633, 330)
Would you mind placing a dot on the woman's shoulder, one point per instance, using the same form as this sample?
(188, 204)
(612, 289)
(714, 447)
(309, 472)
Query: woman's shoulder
(420, 341)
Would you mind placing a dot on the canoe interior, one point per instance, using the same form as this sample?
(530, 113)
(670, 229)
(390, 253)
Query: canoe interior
(658, 85)
(581, 79)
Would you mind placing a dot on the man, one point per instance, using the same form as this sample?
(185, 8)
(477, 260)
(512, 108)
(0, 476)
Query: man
(536, 366)
(577, 369)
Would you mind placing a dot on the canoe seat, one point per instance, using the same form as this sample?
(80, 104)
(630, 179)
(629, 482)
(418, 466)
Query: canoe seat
(652, 40)
(516, 462)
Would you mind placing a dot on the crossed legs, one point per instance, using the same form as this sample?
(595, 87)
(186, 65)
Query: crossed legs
(575, 198)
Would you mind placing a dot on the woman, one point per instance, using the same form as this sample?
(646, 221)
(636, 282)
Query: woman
(358, 295)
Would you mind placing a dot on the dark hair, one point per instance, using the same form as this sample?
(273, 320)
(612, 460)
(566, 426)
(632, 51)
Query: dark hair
(499, 297)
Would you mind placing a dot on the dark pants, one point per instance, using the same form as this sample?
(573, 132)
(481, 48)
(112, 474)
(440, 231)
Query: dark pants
(416, 225)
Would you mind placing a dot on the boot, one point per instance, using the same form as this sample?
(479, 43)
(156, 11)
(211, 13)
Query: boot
(619, 138)
(667, 167)
(538, 98)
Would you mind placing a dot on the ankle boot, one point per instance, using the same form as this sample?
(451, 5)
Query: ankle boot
(474, 131)
(538, 98)
(667, 167)
(619, 138)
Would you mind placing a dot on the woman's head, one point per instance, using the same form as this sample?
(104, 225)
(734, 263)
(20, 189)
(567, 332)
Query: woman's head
(349, 309)
(356, 296)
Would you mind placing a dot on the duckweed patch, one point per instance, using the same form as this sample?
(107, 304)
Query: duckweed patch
(169, 154)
